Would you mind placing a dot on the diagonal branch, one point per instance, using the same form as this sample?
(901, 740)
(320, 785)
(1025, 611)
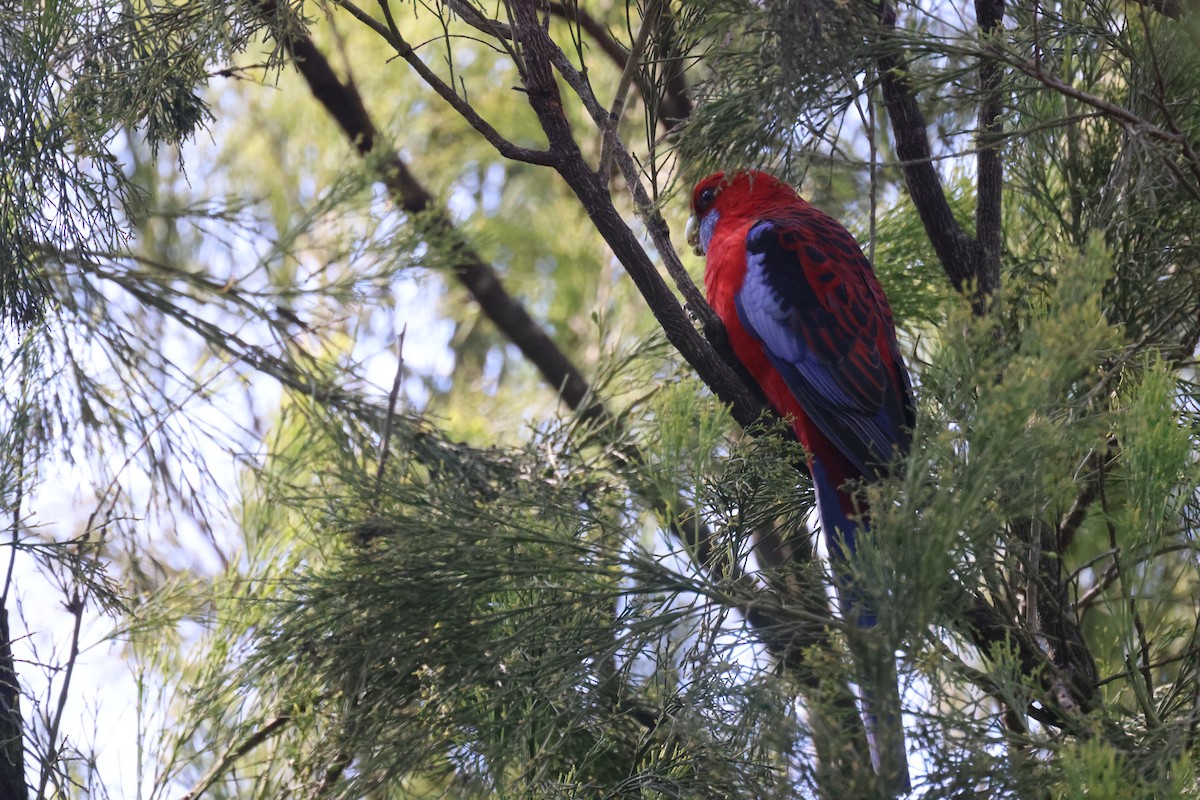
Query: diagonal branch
(962, 257)
(546, 101)
(235, 753)
(345, 105)
(392, 36)
(1169, 134)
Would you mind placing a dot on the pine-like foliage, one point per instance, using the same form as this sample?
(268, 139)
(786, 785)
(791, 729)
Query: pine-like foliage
(548, 562)
(491, 623)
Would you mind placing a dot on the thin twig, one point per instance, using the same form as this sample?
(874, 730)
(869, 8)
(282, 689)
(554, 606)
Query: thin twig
(1107, 107)
(75, 606)
(384, 447)
(1144, 692)
(873, 172)
(1164, 108)
(632, 64)
(235, 752)
(1188, 657)
(1075, 516)
(444, 90)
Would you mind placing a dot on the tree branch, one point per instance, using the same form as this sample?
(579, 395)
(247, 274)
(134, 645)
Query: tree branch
(546, 101)
(1107, 107)
(754, 407)
(608, 129)
(962, 256)
(12, 741)
(445, 91)
(675, 103)
(988, 226)
(1052, 615)
(345, 105)
(986, 627)
(236, 752)
(12, 735)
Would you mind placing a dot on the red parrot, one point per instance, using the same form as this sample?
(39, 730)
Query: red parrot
(807, 317)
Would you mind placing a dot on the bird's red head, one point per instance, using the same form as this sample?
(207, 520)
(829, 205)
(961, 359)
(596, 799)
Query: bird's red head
(724, 195)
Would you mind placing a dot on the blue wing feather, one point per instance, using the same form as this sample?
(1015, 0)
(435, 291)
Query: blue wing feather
(822, 336)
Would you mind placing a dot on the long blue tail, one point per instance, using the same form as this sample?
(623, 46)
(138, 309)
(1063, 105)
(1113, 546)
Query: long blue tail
(879, 683)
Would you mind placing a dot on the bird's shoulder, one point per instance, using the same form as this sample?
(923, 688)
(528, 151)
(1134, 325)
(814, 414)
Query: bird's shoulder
(807, 257)
(808, 236)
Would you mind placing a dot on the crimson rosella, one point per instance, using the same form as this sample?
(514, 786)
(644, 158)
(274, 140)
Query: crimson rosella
(805, 314)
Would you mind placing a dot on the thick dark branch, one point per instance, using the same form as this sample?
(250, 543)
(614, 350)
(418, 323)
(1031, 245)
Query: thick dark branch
(1053, 616)
(12, 734)
(345, 105)
(962, 256)
(12, 742)
(986, 627)
(694, 301)
(990, 16)
(544, 97)
(739, 391)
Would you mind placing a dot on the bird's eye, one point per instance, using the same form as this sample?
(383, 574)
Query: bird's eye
(706, 198)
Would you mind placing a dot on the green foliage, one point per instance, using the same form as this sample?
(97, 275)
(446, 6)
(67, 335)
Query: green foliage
(55, 188)
(333, 594)
(77, 72)
(778, 78)
(1079, 172)
(1004, 417)
(1093, 769)
(482, 615)
(1159, 474)
(907, 266)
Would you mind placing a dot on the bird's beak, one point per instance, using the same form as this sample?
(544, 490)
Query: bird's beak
(693, 235)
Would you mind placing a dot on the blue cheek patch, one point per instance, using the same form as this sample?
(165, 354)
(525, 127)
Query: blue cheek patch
(708, 226)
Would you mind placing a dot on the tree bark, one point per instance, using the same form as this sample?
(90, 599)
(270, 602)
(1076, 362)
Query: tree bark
(12, 742)
(964, 259)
